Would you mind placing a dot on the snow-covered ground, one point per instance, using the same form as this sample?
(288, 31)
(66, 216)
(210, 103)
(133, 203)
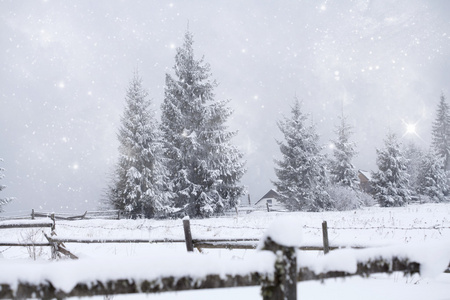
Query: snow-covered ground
(415, 226)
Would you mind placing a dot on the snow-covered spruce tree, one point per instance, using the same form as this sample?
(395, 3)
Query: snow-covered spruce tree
(441, 132)
(341, 168)
(205, 168)
(301, 172)
(390, 182)
(432, 178)
(3, 201)
(139, 177)
(414, 156)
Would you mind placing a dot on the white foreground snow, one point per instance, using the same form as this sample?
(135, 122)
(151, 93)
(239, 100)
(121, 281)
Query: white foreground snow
(421, 232)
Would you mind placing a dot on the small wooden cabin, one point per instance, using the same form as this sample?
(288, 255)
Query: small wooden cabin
(270, 201)
(365, 181)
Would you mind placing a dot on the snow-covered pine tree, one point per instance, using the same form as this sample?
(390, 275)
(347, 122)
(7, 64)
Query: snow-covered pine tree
(390, 182)
(414, 156)
(341, 168)
(205, 168)
(3, 201)
(432, 178)
(441, 132)
(301, 172)
(138, 183)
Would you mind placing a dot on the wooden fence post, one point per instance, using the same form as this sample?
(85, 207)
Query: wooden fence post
(326, 245)
(283, 285)
(188, 235)
(52, 216)
(32, 214)
(53, 247)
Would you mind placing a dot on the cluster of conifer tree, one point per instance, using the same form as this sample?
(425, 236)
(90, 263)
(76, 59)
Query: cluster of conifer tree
(308, 181)
(185, 163)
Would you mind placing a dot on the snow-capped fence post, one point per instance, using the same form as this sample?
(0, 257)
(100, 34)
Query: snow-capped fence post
(52, 216)
(187, 234)
(282, 284)
(326, 245)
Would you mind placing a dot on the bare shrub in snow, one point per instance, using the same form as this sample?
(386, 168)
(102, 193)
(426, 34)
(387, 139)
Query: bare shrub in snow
(31, 236)
(366, 199)
(344, 198)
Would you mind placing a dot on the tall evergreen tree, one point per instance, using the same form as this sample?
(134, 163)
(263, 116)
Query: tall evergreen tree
(414, 156)
(390, 182)
(432, 178)
(205, 168)
(341, 168)
(3, 201)
(301, 172)
(138, 181)
(441, 132)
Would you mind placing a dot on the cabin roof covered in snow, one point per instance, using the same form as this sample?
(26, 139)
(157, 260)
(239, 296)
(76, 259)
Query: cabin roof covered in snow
(366, 174)
(272, 194)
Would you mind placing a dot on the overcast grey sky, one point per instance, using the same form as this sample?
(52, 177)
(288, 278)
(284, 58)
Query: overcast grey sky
(65, 66)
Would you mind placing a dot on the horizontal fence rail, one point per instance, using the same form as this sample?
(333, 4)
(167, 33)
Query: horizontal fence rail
(26, 225)
(46, 290)
(23, 244)
(113, 241)
(106, 214)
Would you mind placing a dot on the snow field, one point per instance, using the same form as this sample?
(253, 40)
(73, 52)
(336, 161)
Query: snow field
(425, 225)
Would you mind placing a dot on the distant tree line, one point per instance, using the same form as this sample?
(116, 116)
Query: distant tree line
(308, 181)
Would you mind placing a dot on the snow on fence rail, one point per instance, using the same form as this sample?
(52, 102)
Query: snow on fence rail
(27, 224)
(105, 214)
(277, 267)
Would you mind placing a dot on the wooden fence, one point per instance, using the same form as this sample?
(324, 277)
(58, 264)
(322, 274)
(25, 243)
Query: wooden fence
(278, 283)
(200, 243)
